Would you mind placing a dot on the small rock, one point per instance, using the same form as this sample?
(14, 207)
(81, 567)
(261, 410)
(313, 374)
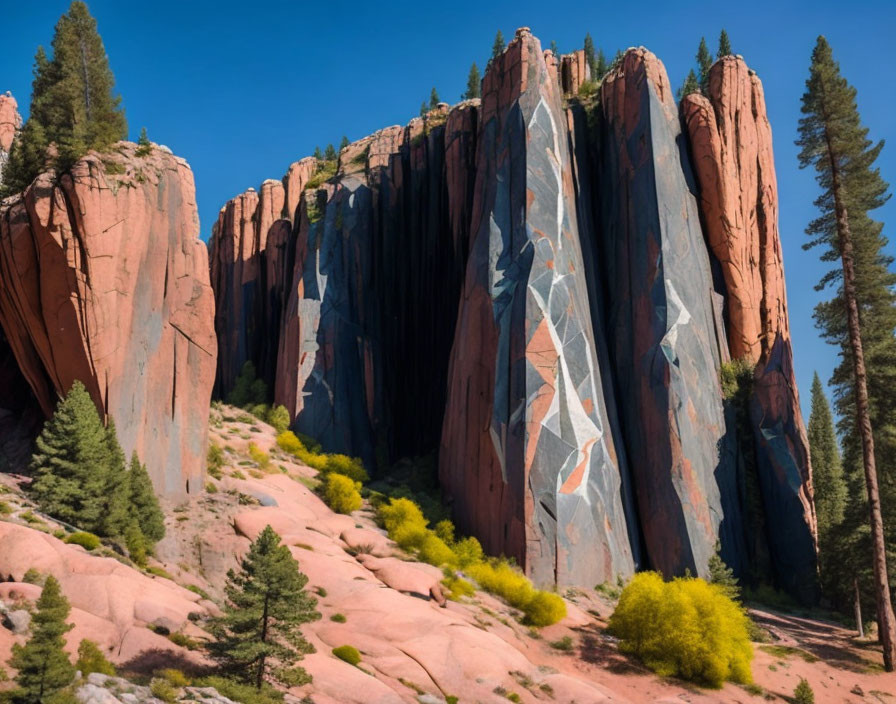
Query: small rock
(17, 621)
(858, 691)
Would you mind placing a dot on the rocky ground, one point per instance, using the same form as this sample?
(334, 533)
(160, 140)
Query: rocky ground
(370, 596)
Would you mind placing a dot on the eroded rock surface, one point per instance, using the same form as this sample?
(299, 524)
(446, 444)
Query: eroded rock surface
(103, 279)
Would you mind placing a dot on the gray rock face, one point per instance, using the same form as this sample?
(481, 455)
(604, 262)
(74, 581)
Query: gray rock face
(661, 323)
(527, 456)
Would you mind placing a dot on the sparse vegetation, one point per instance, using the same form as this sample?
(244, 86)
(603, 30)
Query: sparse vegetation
(91, 659)
(803, 693)
(88, 541)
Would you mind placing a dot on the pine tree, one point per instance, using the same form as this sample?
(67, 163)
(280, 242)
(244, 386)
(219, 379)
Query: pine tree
(433, 99)
(602, 66)
(144, 506)
(330, 153)
(724, 45)
(144, 146)
(554, 49)
(117, 509)
(498, 46)
(72, 100)
(43, 666)
(827, 472)
(590, 56)
(474, 83)
(135, 542)
(704, 63)
(70, 463)
(424, 110)
(722, 575)
(266, 607)
(343, 143)
(833, 140)
(689, 86)
(319, 155)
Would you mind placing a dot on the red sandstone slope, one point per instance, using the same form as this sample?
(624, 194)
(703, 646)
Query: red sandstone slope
(103, 279)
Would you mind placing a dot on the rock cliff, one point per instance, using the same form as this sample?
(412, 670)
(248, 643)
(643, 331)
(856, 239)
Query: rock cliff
(10, 122)
(103, 279)
(538, 287)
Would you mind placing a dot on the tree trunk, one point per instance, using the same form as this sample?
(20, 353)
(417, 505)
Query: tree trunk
(860, 627)
(885, 618)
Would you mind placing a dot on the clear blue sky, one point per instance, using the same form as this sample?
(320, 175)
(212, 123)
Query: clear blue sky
(241, 90)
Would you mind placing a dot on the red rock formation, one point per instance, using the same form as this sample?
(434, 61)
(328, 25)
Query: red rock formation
(299, 173)
(731, 143)
(574, 71)
(103, 279)
(10, 121)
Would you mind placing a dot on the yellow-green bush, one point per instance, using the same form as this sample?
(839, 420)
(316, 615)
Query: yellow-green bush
(342, 494)
(684, 628)
(347, 653)
(407, 526)
(288, 442)
(349, 466)
(259, 457)
(324, 463)
(278, 418)
(457, 587)
(86, 540)
(91, 659)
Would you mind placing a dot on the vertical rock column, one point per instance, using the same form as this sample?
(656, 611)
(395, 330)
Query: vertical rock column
(661, 323)
(731, 143)
(526, 455)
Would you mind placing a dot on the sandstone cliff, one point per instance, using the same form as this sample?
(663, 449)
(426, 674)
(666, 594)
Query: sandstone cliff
(104, 280)
(10, 122)
(540, 288)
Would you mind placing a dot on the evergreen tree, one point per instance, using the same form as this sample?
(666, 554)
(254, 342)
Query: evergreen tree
(266, 607)
(590, 56)
(554, 50)
(704, 63)
(602, 66)
(248, 389)
(70, 464)
(689, 86)
(117, 510)
(724, 45)
(144, 506)
(433, 99)
(344, 143)
(498, 46)
(144, 146)
(827, 472)
(862, 314)
(474, 83)
(722, 575)
(319, 155)
(72, 100)
(42, 664)
(135, 542)
(330, 153)
(424, 110)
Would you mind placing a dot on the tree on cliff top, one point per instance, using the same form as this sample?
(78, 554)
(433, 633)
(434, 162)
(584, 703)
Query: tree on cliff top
(498, 46)
(689, 86)
(474, 83)
(72, 101)
(266, 607)
(433, 99)
(602, 66)
(590, 55)
(724, 45)
(704, 63)
(42, 665)
(861, 317)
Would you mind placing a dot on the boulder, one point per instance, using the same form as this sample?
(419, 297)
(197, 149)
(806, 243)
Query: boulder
(103, 280)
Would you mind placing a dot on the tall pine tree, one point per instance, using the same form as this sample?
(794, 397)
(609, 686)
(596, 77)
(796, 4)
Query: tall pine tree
(689, 86)
(42, 665)
(591, 56)
(498, 45)
(70, 464)
(602, 66)
(860, 317)
(72, 102)
(266, 607)
(117, 491)
(724, 45)
(144, 506)
(827, 471)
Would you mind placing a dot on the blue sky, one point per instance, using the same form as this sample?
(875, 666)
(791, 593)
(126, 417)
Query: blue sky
(241, 90)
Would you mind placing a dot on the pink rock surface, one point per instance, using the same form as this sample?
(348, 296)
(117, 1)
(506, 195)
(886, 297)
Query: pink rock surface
(574, 71)
(10, 120)
(103, 279)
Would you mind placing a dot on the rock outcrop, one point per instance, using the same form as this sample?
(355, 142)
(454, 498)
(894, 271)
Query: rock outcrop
(526, 455)
(524, 285)
(731, 143)
(103, 279)
(10, 122)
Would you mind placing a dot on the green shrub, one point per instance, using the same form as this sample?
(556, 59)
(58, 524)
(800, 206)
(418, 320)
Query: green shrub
(199, 590)
(338, 618)
(498, 577)
(342, 494)
(88, 541)
(175, 677)
(91, 659)
(685, 628)
(803, 693)
(468, 552)
(565, 644)
(5, 508)
(214, 460)
(348, 654)
(239, 692)
(278, 418)
(163, 689)
(32, 576)
(259, 457)
(135, 542)
(184, 641)
(457, 587)
(159, 572)
(587, 89)
(210, 488)
(349, 466)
